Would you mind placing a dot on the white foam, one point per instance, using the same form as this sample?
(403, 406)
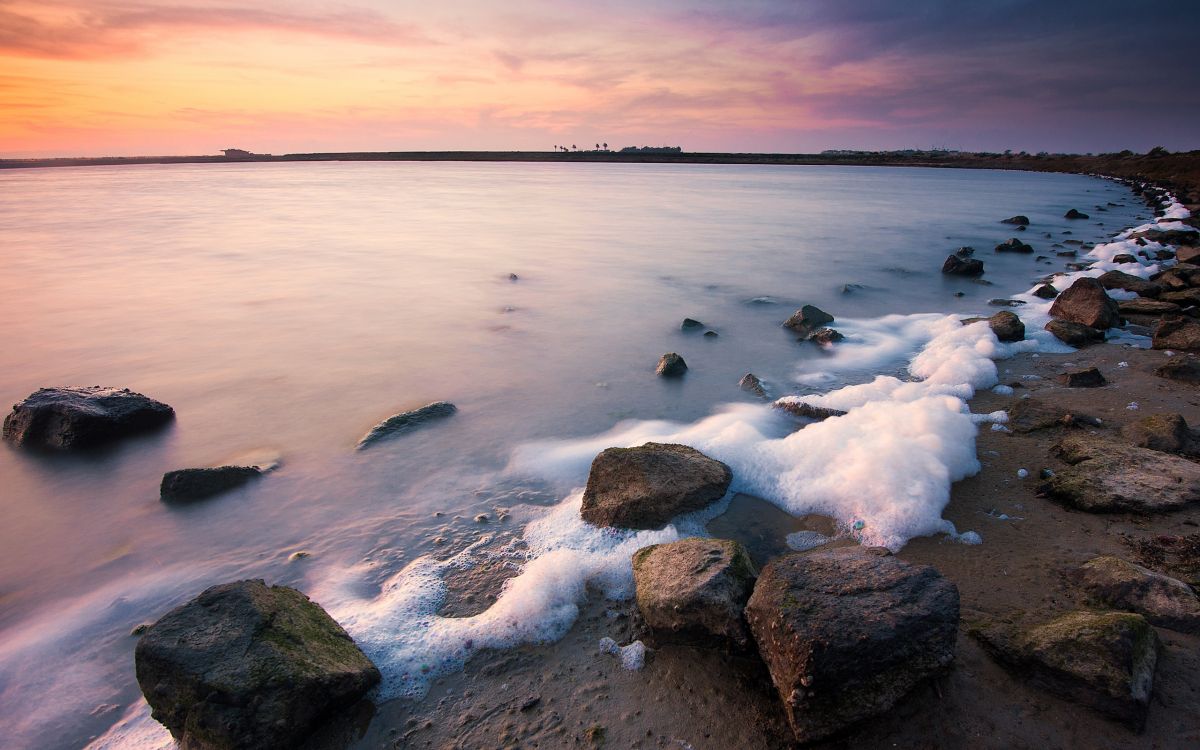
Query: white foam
(633, 656)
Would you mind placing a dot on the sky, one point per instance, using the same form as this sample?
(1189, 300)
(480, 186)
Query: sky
(154, 77)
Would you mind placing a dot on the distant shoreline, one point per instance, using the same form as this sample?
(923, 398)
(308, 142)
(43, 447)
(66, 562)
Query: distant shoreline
(1179, 172)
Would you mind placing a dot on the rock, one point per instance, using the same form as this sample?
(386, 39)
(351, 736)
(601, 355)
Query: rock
(1168, 236)
(694, 590)
(1085, 302)
(1089, 378)
(671, 365)
(405, 421)
(1074, 334)
(189, 485)
(752, 384)
(1073, 214)
(1144, 306)
(1018, 219)
(647, 486)
(82, 417)
(1000, 302)
(1164, 601)
(1105, 475)
(807, 318)
(1103, 660)
(847, 632)
(806, 411)
(245, 665)
(1032, 414)
(513, 277)
(965, 251)
(1007, 326)
(1187, 254)
(824, 336)
(1045, 291)
(1014, 245)
(1176, 332)
(689, 324)
(1124, 258)
(711, 334)
(1182, 297)
(1182, 369)
(956, 266)
(1168, 433)
(1130, 283)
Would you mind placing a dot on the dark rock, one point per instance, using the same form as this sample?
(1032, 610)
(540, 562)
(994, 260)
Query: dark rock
(1187, 254)
(1105, 475)
(1089, 378)
(647, 486)
(670, 365)
(1130, 283)
(189, 485)
(1176, 332)
(405, 421)
(1045, 291)
(1014, 245)
(1168, 236)
(245, 665)
(956, 266)
(824, 336)
(1103, 660)
(807, 318)
(1007, 326)
(1124, 258)
(1001, 302)
(1144, 306)
(711, 334)
(1085, 302)
(689, 324)
(84, 417)
(1074, 334)
(847, 632)
(1073, 214)
(694, 590)
(806, 411)
(1066, 253)
(965, 251)
(1168, 433)
(1018, 219)
(1182, 369)
(513, 277)
(1184, 297)
(1032, 414)
(752, 384)
(1164, 601)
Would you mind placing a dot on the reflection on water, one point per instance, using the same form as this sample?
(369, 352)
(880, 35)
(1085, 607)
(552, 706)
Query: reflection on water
(288, 308)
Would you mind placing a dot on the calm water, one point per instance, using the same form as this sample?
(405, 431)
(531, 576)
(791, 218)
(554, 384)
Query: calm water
(287, 308)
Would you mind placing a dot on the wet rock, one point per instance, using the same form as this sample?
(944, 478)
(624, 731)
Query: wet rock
(1184, 297)
(245, 665)
(694, 590)
(1143, 306)
(405, 421)
(690, 324)
(1164, 601)
(1124, 258)
(965, 251)
(1007, 326)
(1074, 334)
(1168, 433)
(84, 417)
(751, 384)
(670, 365)
(1074, 214)
(806, 411)
(1045, 291)
(647, 486)
(956, 266)
(1089, 378)
(1000, 302)
(1032, 414)
(1181, 369)
(190, 485)
(1176, 332)
(847, 632)
(825, 336)
(1019, 219)
(711, 334)
(1130, 283)
(1103, 660)
(1168, 236)
(1085, 302)
(1187, 254)
(1104, 475)
(513, 277)
(1014, 245)
(807, 318)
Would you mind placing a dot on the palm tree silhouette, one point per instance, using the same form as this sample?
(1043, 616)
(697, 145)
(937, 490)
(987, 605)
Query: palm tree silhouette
(574, 147)
(597, 146)
(606, 147)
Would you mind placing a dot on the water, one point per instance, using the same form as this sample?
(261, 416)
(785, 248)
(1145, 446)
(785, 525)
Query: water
(288, 308)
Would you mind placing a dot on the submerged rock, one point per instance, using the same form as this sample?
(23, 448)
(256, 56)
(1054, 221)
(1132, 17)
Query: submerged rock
(751, 384)
(1105, 475)
(1176, 332)
(825, 336)
(1014, 245)
(807, 318)
(690, 324)
(1088, 378)
(957, 266)
(1102, 660)
(670, 365)
(1074, 334)
(1085, 302)
(245, 665)
(847, 632)
(806, 411)
(1019, 219)
(405, 421)
(1164, 601)
(1074, 214)
(189, 485)
(647, 486)
(694, 590)
(82, 417)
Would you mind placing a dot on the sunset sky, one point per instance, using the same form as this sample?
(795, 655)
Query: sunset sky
(128, 77)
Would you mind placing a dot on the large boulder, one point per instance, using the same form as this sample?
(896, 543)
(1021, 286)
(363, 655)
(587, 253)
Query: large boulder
(956, 266)
(1130, 283)
(647, 486)
(1120, 584)
(1104, 475)
(83, 417)
(190, 485)
(807, 318)
(246, 665)
(1103, 660)
(1167, 432)
(1074, 334)
(847, 632)
(1007, 326)
(670, 365)
(1085, 302)
(694, 590)
(1177, 332)
(406, 421)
